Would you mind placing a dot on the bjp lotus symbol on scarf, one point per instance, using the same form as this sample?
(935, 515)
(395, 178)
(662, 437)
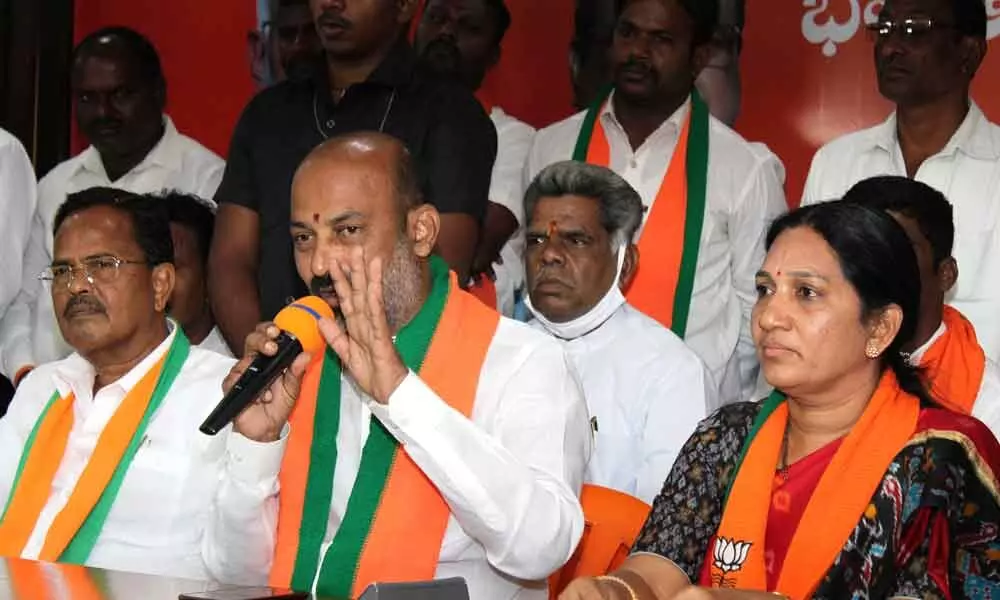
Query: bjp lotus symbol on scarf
(728, 556)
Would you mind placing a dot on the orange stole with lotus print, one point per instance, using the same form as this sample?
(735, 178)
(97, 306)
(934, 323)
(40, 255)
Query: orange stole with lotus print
(839, 501)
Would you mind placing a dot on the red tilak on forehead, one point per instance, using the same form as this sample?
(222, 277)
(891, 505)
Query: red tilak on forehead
(552, 229)
(315, 217)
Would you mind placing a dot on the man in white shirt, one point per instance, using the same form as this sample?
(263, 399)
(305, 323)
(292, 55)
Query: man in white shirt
(460, 40)
(17, 205)
(645, 389)
(192, 220)
(119, 93)
(102, 461)
(492, 432)
(926, 55)
(944, 346)
(708, 207)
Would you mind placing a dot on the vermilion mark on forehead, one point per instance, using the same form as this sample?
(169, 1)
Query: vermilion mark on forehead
(316, 218)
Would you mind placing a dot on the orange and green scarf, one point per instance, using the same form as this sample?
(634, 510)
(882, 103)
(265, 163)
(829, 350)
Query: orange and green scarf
(671, 238)
(954, 364)
(392, 502)
(838, 503)
(76, 528)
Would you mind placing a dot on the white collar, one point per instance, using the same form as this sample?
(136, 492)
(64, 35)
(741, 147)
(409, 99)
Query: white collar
(76, 374)
(918, 355)
(673, 124)
(974, 137)
(165, 153)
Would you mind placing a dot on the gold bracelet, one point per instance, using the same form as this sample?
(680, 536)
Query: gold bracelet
(631, 592)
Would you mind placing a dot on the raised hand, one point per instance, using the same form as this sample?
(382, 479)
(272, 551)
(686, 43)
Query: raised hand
(263, 420)
(364, 342)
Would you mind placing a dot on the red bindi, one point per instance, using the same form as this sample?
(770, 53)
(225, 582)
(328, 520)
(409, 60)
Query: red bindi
(315, 217)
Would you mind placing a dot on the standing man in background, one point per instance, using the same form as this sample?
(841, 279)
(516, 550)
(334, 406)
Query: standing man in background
(927, 53)
(367, 81)
(460, 40)
(710, 194)
(119, 94)
(718, 82)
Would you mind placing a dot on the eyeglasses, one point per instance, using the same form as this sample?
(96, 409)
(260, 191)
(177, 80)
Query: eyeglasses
(96, 270)
(911, 29)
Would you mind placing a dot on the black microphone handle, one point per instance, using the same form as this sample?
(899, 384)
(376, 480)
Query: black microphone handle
(252, 383)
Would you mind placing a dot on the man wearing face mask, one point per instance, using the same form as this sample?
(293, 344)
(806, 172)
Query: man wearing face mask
(710, 194)
(645, 389)
(119, 94)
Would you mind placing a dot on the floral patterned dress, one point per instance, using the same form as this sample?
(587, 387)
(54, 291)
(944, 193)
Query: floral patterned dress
(930, 531)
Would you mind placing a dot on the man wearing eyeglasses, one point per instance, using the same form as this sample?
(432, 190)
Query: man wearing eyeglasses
(926, 55)
(286, 46)
(119, 92)
(102, 463)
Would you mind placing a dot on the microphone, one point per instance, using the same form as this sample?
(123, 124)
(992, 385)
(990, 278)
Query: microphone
(299, 324)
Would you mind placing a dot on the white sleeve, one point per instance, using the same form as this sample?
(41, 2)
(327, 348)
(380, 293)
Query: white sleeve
(987, 406)
(16, 341)
(515, 490)
(676, 400)
(761, 202)
(15, 427)
(18, 199)
(513, 145)
(812, 193)
(210, 179)
(242, 528)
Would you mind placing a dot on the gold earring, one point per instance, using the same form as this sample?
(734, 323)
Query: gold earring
(871, 350)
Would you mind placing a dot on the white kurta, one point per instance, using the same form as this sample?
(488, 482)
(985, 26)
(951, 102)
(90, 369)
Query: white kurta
(510, 475)
(17, 205)
(744, 195)
(29, 333)
(967, 172)
(646, 392)
(158, 520)
(513, 142)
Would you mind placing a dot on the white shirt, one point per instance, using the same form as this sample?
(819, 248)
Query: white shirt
(214, 342)
(158, 519)
(29, 333)
(17, 205)
(967, 172)
(513, 143)
(987, 406)
(646, 392)
(744, 195)
(511, 474)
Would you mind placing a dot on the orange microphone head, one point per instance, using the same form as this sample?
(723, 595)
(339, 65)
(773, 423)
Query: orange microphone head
(301, 319)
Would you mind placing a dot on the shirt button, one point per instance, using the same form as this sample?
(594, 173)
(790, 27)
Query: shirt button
(330, 124)
(632, 164)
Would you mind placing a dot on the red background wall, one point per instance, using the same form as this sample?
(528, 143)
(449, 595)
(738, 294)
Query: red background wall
(202, 44)
(795, 98)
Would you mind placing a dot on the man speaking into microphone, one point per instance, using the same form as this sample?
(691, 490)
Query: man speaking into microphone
(433, 438)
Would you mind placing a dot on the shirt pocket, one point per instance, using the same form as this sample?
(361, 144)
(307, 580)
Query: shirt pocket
(166, 493)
